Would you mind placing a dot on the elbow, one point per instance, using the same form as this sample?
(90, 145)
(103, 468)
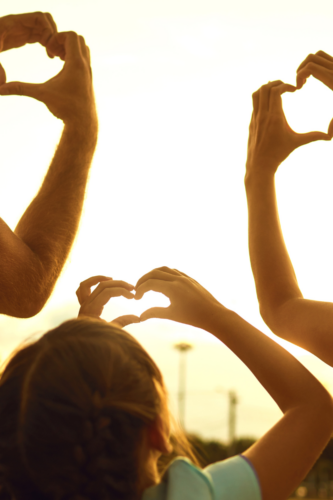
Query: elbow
(31, 309)
(25, 301)
(272, 318)
(32, 303)
(280, 318)
(26, 308)
(25, 286)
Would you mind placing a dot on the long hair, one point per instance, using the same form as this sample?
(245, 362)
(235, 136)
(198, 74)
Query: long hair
(73, 409)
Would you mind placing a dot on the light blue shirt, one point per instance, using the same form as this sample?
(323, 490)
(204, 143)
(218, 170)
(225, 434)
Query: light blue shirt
(232, 479)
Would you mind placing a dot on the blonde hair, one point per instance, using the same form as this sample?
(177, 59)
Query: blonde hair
(73, 409)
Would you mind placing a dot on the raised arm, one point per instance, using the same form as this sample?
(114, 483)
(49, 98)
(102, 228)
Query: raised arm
(284, 455)
(306, 323)
(33, 256)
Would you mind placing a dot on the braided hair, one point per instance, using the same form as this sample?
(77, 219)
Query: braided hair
(73, 410)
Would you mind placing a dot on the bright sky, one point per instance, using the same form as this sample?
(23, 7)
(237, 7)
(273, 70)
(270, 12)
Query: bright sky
(173, 82)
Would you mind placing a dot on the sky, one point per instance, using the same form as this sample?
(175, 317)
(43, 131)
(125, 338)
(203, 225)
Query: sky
(173, 81)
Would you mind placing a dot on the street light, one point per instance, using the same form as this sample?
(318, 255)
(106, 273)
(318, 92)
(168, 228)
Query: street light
(182, 347)
(233, 400)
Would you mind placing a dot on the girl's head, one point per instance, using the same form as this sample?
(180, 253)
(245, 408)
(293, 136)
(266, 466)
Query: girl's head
(83, 415)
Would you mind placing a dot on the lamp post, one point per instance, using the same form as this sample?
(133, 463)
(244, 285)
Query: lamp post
(232, 421)
(232, 400)
(182, 347)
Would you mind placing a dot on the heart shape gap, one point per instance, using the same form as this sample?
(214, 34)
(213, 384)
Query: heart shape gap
(309, 108)
(120, 306)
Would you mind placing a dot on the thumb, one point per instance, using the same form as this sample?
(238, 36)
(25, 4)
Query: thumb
(330, 129)
(123, 321)
(312, 137)
(155, 312)
(21, 88)
(2, 75)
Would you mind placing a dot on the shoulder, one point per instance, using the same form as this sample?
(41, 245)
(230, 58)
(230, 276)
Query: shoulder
(235, 478)
(220, 481)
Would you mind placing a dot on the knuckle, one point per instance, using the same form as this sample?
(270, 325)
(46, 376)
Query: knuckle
(275, 90)
(71, 34)
(78, 62)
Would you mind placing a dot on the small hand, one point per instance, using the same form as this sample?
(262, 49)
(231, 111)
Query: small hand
(69, 95)
(92, 304)
(271, 140)
(320, 66)
(190, 302)
(20, 29)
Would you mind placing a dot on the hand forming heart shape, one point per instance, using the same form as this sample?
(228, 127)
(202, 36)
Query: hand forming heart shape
(190, 303)
(271, 139)
(69, 95)
(92, 304)
(18, 30)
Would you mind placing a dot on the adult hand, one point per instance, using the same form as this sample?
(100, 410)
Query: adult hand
(69, 95)
(319, 65)
(190, 302)
(92, 304)
(20, 29)
(271, 140)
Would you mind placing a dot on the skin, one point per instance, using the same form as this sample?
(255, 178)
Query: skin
(306, 323)
(285, 454)
(34, 254)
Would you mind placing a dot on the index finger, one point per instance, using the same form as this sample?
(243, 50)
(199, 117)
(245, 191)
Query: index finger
(275, 102)
(83, 292)
(40, 23)
(317, 71)
(264, 96)
(55, 48)
(51, 21)
(157, 274)
(71, 42)
(320, 58)
(111, 284)
(154, 285)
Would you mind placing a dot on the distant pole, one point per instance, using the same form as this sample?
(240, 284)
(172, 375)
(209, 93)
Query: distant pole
(182, 347)
(232, 420)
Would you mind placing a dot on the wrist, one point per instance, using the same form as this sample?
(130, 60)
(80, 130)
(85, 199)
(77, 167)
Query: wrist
(254, 176)
(262, 166)
(83, 120)
(213, 317)
(85, 127)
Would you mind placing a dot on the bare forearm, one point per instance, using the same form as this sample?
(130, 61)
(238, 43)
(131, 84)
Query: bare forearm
(285, 379)
(273, 272)
(49, 224)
